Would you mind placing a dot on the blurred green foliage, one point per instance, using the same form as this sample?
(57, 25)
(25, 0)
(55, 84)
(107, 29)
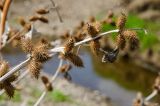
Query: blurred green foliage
(58, 96)
(146, 41)
(16, 98)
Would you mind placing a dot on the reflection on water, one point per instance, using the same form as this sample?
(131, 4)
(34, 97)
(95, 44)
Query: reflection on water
(120, 81)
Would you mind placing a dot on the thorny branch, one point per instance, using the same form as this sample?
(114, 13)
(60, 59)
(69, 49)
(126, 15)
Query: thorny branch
(93, 36)
(54, 50)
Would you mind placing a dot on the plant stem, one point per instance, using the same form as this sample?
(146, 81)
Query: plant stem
(4, 17)
(14, 69)
(149, 97)
(52, 80)
(59, 16)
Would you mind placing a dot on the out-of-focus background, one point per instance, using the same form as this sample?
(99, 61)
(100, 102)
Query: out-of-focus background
(104, 84)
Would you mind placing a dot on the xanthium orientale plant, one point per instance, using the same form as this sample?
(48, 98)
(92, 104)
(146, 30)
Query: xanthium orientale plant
(87, 33)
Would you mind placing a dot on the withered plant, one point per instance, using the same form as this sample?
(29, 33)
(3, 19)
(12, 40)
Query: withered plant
(39, 52)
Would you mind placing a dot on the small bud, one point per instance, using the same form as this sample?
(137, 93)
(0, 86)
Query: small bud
(42, 11)
(132, 37)
(22, 21)
(34, 18)
(4, 67)
(34, 68)
(95, 45)
(92, 19)
(9, 89)
(40, 18)
(40, 54)
(65, 35)
(69, 45)
(110, 56)
(65, 68)
(43, 19)
(110, 14)
(79, 36)
(138, 101)
(75, 59)
(93, 29)
(26, 45)
(121, 21)
(121, 42)
(47, 83)
(157, 84)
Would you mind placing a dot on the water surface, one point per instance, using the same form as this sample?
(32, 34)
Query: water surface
(120, 81)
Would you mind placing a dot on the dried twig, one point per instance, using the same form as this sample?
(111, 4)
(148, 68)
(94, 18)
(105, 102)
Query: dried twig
(54, 5)
(52, 80)
(55, 50)
(14, 69)
(4, 17)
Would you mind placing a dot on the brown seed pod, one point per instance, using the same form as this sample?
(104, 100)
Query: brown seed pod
(69, 45)
(49, 87)
(4, 67)
(26, 45)
(92, 19)
(75, 59)
(34, 68)
(156, 85)
(40, 18)
(93, 29)
(44, 43)
(1, 86)
(40, 51)
(79, 36)
(9, 89)
(34, 18)
(22, 21)
(12, 78)
(95, 45)
(138, 101)
(65, 35)
(44, 79)
(133, 39)
(121, 42)
(6, 85)
(42, 11)
(121, 21)
(110, 14)
(81, 25)
(65, 68)
(40, 54)
(27, 27)
(43, 19)
(47, 83)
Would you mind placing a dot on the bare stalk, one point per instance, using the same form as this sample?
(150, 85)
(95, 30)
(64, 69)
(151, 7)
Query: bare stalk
(14, 69)
(149, 97)
(4, 17)
(52, 80)
(60, 49)
(54, 5)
